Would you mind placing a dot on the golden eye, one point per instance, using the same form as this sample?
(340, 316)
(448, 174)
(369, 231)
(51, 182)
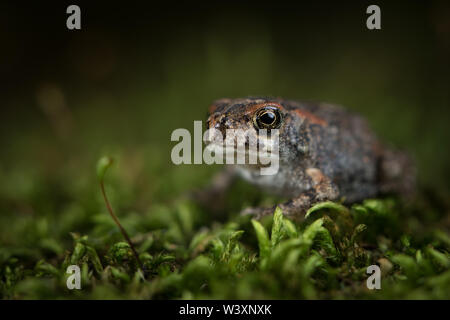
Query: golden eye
(267, 118)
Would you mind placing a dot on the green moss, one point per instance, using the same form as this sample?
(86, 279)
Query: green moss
(188, 254)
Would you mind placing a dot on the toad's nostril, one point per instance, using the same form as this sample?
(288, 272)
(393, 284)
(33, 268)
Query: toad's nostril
(223, 126)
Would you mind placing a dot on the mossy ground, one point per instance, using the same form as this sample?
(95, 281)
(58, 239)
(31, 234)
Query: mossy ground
(190, 254)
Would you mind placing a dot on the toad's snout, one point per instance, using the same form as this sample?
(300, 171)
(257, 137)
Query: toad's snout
(218, 122)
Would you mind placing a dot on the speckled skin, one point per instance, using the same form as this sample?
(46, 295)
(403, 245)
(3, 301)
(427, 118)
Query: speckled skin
(326, 153)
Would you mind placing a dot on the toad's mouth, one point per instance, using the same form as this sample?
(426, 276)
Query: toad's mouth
(243, 155)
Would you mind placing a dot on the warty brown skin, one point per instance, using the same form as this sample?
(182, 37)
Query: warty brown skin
(326, 153)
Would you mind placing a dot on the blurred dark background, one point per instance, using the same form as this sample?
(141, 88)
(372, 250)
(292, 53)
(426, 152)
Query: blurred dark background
(136, 71)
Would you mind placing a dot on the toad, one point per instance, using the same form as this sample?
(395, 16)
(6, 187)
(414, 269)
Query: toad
(325, 153)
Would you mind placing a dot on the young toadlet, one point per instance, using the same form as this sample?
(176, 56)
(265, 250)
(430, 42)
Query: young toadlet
(325, 153)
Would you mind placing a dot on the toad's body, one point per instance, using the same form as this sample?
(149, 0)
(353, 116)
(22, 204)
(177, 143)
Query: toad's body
(325, 152)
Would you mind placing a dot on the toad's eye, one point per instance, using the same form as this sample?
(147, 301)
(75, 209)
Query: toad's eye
(267, 118)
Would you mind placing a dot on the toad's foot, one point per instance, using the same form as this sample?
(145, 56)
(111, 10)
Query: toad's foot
(323, 189)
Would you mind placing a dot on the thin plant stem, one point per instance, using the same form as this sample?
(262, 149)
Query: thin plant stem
(122, 229)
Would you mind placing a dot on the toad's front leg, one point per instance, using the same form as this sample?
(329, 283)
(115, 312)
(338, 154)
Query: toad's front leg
(322, 189)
